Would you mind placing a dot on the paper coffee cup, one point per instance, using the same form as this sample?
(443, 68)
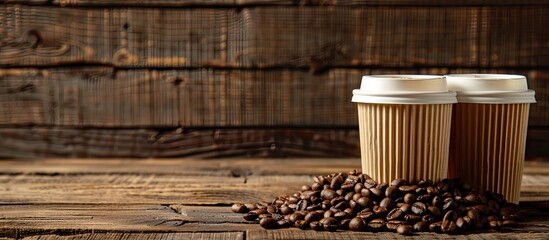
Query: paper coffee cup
(404, 125)
(489, 131)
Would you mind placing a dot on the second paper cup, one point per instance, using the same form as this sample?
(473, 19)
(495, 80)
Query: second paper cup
(404, 125)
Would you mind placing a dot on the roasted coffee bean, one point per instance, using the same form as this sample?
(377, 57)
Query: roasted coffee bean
(306, 188)
(328, 194)
(447, 195)
(425, 198)
(370, 183)
(366, 214)
(336, 182)
(435, 227)
(250, 206)
(409, 198)
(406, 208)
(483, 209)
(357, 224)
(450, 215)
(342, 215)
(404, 229)
(284, 223)
(510, 223)
(407, 189)
(377, 224)
(296, 216)
(435, 211)
(317, 186)
(354, 205)
(308, 194)
(349, 196)
(329, 214)
(380, 211)
(395, 214)
(358, 187)
(421, 227)
(285, 209)
(250, 216)
(398, 182)
(330, 224)
(319, 179)
(376, 192)
(419, 208)
(344, 223)
(448, 204)
(301, 224)
(425, 183)
(386, 203)
(364, 202)
(239, 208)
(269, 223)
(412, 218)
(429, 218)
(312, 216)
(342, 205)
(340, 192)
(471, 198)
(420, 191)
(432, 191)
(448, 226)
(277, 216)
(316, 226)
(382, 186)
(272, 209)
(393, 224)
(349, 184)
(496, 224)
(350, 211)
(473, 214)
(436, 201)
(461, 224)
(337, 200)
(391, 192)
(510, 217)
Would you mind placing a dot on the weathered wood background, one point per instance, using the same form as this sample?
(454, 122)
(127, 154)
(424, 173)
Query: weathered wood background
(218, 78)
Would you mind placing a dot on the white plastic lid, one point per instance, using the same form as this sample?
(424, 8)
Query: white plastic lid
(404, 89)
(490, 88)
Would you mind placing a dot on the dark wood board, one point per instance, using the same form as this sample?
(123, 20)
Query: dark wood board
(187, 3)
(502, 36)
(106, 97)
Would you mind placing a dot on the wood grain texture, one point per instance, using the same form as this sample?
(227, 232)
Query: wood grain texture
(144, 236)
(276, 37)
(104, 97)
(180, 3)
(233, 167)
(202, 143)
(198, 143)
(201, 183)
(107, 98)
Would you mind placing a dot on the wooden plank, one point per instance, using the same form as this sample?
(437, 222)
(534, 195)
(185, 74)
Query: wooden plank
(396, 37)
(233, 167)
(34, 142)
(124, 236)
(103, 97)
(292, 233)
(504, 36)
(186, 3)
(113, 36)
(147, 189)
(201, 143)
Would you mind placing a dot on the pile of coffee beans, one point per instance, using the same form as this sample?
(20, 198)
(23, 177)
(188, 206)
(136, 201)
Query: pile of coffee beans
(356, 202)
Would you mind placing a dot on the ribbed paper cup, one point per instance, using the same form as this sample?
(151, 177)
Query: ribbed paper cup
(404, 124)
(489, 131)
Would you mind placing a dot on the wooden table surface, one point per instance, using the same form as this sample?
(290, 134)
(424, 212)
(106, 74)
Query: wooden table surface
(190, 199)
